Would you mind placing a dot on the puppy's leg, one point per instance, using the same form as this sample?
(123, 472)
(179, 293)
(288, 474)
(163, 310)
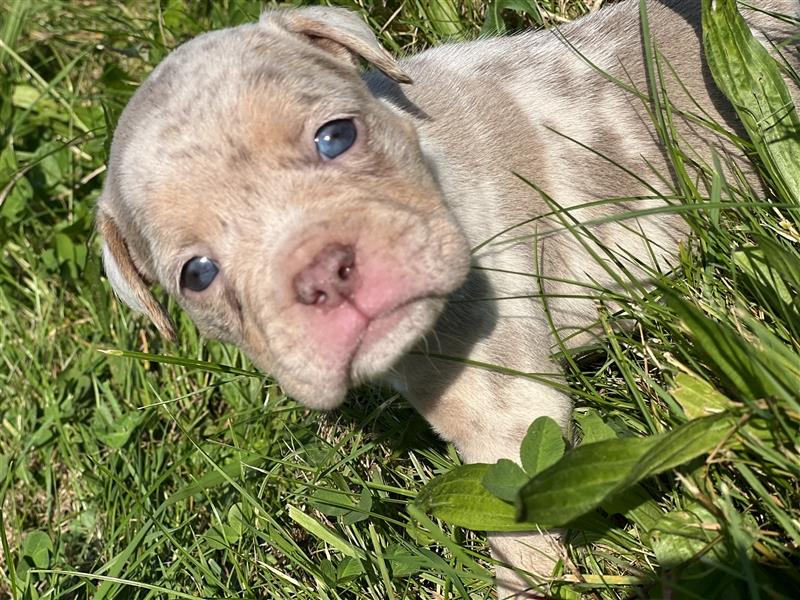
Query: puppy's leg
(486, 415)
(534, 553)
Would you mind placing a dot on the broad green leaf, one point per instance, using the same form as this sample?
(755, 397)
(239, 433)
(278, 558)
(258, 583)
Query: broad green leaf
(334, 503)
(222, 536)
(593, 427)
(443, 16)
(577, 484)
(697, 397)
(403, 562)
(580, 481)
(29, 97)
(749, 77)
(591, 473)
(236, 519)
(504, 479)
(230, 469)
(679, 536)
(348, 568)
(117, 433)
(543, 446)
(361, 511)
(42, 435)
(782, 261)
(636, 504)
(327, 572)
(23, 574)
(38, 547)
(459, 497)
(779, 363)
(340, 503)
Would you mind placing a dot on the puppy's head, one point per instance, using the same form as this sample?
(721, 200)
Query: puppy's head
(255, 177)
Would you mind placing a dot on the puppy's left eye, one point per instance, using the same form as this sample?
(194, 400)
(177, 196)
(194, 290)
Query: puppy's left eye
(335, 138)
(198, 273)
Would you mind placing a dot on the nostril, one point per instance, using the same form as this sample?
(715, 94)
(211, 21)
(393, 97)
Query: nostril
(328, 279)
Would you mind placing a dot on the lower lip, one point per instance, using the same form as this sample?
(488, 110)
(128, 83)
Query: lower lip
(381, 327)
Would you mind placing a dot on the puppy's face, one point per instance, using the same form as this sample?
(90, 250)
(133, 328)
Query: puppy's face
(291, 213)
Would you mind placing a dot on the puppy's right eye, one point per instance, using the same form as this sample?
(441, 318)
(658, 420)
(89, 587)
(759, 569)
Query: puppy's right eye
(335, 138)
(198, 273)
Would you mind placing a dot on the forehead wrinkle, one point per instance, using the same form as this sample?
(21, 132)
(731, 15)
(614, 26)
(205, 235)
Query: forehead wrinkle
(311, 73)
(185, 233)
(304, 91)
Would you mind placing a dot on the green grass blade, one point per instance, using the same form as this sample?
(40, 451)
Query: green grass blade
(325, 534)
(184, 362)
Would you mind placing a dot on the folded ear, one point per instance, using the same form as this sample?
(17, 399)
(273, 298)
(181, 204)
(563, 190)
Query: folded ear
(340, 32)
(125, 278)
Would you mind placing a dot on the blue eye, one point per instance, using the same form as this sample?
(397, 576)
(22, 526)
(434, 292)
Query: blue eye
(335, 138)
(198, 273)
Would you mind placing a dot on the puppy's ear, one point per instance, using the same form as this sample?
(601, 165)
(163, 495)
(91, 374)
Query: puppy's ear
(340, 32)
(125, 278)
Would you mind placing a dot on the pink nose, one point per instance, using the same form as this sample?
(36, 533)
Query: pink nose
(329, 279)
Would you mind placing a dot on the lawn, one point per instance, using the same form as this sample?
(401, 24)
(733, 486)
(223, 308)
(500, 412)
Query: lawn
(133, 476)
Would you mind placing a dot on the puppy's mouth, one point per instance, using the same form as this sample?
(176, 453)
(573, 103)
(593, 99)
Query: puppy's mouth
(349, 346)
(379, 327)
(343, 322)
(388, 336)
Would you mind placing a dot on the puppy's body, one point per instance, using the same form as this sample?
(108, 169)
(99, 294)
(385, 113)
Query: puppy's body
(533, 106)
(214, 157)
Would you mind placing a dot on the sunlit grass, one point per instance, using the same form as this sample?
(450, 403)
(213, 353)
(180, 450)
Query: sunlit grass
(127, 475)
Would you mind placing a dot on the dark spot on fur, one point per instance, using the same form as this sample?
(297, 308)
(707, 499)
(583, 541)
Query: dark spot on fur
(236, 306)
(239, 153)
(518, 431)
(179, 155)
(501, 402)
(169, 131)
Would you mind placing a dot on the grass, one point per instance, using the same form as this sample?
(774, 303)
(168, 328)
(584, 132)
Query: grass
(124, 477)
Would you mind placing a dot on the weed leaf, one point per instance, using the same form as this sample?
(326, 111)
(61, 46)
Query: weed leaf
(697, 397)
(543, 446)
(591, 473)
(493, 23)
(38, 547)
(504, 479)
(593, 427)
(460, 498)
(749, 77)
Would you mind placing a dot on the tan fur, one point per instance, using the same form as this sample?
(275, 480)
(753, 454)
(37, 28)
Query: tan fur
(214, 156)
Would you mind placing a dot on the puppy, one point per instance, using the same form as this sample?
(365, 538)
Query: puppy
(333, 224)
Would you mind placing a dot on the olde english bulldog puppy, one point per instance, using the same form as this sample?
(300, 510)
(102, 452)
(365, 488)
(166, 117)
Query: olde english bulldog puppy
(323, 220)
